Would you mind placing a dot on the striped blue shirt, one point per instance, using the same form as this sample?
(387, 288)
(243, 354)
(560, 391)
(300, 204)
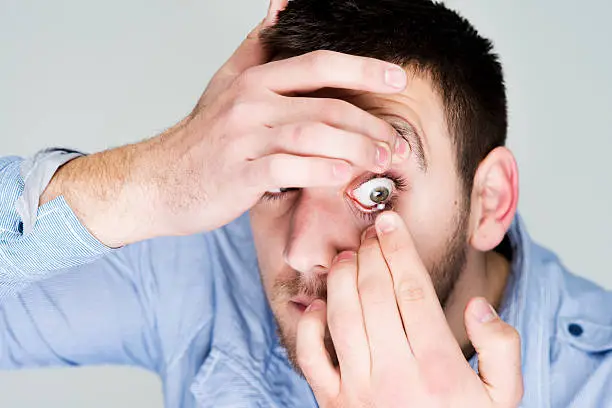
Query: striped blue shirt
(192, 310)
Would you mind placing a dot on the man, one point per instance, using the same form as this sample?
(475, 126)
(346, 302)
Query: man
(319, 146)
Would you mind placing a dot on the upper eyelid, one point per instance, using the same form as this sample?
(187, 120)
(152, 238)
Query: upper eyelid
(397, 183)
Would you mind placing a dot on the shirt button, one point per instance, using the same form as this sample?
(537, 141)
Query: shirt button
(575, 330)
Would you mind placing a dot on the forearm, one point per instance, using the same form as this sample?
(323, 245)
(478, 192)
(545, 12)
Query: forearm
(105, 194)
(117, 194)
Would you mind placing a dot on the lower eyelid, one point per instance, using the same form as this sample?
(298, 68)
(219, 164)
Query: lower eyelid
(369, 215)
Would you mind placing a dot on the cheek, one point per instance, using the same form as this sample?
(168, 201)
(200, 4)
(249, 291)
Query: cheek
(269, 235)
(430, 210)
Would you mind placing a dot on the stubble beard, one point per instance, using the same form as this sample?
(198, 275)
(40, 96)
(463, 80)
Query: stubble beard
(445, 272)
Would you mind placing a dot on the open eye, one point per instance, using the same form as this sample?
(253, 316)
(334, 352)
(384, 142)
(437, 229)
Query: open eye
(374, 193)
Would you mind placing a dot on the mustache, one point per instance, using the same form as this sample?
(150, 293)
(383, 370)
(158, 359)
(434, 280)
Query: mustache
(299, 284)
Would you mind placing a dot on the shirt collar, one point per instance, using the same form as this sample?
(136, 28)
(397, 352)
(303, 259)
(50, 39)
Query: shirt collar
(526, 306)
(513, 302)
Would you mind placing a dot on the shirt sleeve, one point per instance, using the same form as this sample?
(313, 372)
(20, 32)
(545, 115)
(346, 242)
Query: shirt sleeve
(104, 312)
(139, 305)
(36, 243)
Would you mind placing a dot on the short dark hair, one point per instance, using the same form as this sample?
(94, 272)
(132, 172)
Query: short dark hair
(421, 35)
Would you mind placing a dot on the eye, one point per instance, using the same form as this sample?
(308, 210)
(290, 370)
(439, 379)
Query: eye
(278, 193)
(374, 193)
(280, 190)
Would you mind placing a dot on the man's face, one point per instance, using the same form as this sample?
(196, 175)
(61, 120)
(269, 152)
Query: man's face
(298, 234)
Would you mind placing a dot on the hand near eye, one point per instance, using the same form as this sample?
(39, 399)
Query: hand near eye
(394, 346)
(249, 133)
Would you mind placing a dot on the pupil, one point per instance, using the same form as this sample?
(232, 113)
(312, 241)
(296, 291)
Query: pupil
(379, 195)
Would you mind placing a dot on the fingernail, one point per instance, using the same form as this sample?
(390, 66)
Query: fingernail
(344, 256)
(382, 155)
(370, 232)
(483, 311)
(342, 171)
(386, 223)
(316, 304)
(401, 148)
(395, 77)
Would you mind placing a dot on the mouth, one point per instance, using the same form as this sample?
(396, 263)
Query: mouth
(301, 302)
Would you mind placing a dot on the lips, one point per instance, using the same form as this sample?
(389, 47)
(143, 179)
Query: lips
(302, 301)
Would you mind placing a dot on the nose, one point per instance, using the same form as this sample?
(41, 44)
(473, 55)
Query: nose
(320, 229)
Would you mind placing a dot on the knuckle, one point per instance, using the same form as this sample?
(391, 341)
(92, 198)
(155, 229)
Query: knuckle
(377, 298)
(370, 70)
(297, 134)
(395, 246)
(369, 247)
(379, 128)
(246, 80)
(511, 337)
(410, 291)
(335, 106)
(435, 376)
(319, 62)
(319, 56)
(376, 293)
(237, 110)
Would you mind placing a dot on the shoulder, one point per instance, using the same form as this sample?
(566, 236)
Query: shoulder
(581, 333)
(565, 322)
(578, 297)
(573, 298)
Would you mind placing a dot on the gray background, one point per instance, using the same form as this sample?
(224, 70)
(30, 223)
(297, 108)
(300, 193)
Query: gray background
(92, 75)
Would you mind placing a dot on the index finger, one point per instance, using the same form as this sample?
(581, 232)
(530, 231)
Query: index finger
(424, 321)
(329, 69)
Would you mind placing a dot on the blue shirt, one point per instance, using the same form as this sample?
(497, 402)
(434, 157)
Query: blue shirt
(193, 310)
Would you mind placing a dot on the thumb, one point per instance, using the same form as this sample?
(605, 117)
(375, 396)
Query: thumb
(499, 353)
(251, 53)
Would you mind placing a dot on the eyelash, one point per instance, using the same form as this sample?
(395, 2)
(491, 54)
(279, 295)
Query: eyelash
(400, 183)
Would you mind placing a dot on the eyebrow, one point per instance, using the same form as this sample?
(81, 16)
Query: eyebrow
(414, 139)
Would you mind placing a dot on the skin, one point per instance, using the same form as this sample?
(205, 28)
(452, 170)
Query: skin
(393, 343)
(261, 125)
(296, 238)
(449, 239)
(240, 140)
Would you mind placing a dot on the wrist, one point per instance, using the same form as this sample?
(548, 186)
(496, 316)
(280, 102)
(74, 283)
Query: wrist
(102, 192)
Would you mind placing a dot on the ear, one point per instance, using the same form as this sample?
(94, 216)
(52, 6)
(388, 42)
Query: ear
(494, 199)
